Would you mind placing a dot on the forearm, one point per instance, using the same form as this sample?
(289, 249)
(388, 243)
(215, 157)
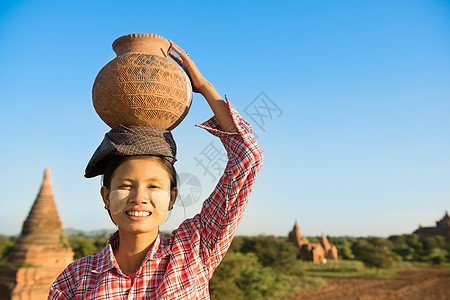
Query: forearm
(218, 106)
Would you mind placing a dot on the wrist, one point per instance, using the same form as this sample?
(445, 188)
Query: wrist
(206, 88)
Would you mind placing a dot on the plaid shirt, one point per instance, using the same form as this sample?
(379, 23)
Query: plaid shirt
(180, 267)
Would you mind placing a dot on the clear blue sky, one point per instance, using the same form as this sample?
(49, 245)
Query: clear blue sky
(360, 145)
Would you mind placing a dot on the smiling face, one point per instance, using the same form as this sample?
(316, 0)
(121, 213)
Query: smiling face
(139, 195)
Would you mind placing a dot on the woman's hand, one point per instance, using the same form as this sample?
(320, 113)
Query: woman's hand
(189, 67)
(203, 86)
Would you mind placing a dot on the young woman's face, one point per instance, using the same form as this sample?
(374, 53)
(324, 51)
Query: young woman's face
(139, 195)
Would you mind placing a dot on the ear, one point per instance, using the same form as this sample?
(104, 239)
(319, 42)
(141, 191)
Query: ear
(105, 195)
(173, 197)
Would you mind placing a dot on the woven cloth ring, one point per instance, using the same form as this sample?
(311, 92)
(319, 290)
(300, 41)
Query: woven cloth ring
(131, 140)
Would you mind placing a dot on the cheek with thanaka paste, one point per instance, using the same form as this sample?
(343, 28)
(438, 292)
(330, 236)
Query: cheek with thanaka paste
(161, 201)
(118, 201)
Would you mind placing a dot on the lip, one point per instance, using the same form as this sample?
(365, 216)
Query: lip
(134, 218)
(138, 209)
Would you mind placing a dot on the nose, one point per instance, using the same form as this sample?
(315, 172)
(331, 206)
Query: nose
(140, 196)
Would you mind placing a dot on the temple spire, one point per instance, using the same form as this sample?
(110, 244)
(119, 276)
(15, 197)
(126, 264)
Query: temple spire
(46, 187)
(39, 255)
(42, 226)
(298, 231)
(324, 241)
(296, 236)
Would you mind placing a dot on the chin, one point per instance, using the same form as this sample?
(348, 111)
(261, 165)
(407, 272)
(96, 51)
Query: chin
(138, 229)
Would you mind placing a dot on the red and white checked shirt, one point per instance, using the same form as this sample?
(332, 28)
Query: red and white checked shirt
(178, 268)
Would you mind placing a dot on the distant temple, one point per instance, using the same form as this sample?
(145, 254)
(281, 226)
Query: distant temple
(316, 252)
(39, 255)
(442, 228)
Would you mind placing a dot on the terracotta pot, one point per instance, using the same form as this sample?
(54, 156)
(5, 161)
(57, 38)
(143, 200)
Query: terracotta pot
(142, 86)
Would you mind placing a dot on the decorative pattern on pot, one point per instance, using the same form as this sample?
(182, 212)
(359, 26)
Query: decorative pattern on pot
(142, 86)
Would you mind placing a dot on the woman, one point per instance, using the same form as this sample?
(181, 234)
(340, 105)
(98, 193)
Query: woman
(139, 187)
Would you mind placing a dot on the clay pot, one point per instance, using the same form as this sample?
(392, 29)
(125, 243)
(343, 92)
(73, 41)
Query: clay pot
(142, 86)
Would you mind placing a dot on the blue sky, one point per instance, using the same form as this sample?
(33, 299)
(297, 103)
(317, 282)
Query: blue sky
(358, 143)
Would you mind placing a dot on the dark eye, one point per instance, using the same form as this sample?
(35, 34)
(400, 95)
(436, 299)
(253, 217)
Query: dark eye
(152, 186)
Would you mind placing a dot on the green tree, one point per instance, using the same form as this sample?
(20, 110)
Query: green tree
(438, 256)
(447, 248)
(277, 253)
(7, 245)
(100, 240)
(434, 250)
(357, 244)
(344, 247)
(223, 284)
(440, 241)
(407, 247)
(429, 244)
(259, 267)
(81, 245)
(237, 243)
(400, 248)
(241, 276)
(412, 240)
(375, 253)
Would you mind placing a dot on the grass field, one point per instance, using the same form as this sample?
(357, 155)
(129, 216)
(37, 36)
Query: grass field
(347, 268)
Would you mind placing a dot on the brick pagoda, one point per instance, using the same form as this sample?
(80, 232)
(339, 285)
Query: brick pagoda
(39, 255)
(316, 252)
(442, 228)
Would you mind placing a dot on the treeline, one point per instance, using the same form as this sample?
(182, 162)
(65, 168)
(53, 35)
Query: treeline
(266, 266)
(405, 247)
(261, 267)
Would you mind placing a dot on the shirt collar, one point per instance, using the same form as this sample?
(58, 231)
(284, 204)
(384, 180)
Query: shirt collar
(159, 249)
(107, 260)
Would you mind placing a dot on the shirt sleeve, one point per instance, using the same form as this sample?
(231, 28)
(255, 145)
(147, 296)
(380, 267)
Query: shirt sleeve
(223, 209)
(63, 285)
(58, 295)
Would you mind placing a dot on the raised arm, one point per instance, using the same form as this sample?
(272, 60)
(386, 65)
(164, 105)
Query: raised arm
(223, 209)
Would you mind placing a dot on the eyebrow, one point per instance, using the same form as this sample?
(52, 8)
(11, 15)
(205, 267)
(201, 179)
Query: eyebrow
(147, 180)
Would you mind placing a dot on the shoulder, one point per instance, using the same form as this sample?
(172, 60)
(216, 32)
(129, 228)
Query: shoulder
(187, 237)
(88, 262)
(78, 271)
(188, 229)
